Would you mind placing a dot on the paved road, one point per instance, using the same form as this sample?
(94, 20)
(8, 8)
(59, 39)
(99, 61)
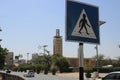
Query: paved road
(41, 76)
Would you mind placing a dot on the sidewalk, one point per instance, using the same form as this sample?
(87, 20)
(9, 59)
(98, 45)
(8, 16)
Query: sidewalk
(76, 75)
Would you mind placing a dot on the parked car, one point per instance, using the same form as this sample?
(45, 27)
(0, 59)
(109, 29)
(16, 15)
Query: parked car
(112, 76)
(30, 73)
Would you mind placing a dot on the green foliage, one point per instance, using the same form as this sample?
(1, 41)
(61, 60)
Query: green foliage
(100, 57)
(53, 69)
(102, 61)
(38, 68)
(61, 63)
(3, 53)
(24, 67)
(45, 62)
(105, 62)
(88, 69)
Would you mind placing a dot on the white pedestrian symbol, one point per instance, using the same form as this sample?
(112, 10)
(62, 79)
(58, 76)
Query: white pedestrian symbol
(83, 27)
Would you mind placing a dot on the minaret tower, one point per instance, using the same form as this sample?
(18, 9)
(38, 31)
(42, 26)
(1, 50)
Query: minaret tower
(57, 43)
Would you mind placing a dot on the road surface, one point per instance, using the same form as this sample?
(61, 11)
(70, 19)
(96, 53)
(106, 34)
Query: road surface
(41, 76)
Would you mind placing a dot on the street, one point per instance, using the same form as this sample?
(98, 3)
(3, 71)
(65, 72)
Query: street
(41, 76)
(58, 76)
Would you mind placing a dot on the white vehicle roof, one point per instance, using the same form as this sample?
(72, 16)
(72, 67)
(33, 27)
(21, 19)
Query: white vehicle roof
(114, 72)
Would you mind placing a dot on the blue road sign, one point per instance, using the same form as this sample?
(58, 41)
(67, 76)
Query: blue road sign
(82, 22)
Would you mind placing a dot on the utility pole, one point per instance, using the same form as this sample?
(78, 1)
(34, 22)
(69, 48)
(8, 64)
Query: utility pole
(97, 63)
(96, 47)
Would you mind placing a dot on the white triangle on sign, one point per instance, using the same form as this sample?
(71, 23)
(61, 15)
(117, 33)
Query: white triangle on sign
(83, 27)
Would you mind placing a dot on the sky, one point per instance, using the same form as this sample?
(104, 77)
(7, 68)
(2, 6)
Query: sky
(28, 24)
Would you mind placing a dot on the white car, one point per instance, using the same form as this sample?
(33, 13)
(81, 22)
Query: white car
(29, 74)
(112, 76)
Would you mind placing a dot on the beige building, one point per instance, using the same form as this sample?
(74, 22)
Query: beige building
(74, 62)
(57, 43)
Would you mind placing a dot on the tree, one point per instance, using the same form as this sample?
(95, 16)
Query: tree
(100, 58)
(117, 62)
(44, 61)
(47, 61)
(118, 58)
(107, 61)
(61, 62)
(3, 53)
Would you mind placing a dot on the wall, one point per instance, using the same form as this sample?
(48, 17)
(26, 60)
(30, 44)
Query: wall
(4, 76)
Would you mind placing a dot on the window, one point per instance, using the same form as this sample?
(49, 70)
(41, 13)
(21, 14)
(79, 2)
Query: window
(112, 76)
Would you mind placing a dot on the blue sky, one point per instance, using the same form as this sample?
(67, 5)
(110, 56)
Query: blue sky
(26, 24)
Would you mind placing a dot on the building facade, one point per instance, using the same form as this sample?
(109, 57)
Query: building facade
(35, 55)
(74, 62)
(9, 59)
(22, 61)
(57, 43)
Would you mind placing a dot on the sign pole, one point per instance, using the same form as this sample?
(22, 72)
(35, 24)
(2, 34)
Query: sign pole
(81, 60)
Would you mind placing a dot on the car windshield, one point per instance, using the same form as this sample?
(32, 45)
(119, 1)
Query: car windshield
(112, 76)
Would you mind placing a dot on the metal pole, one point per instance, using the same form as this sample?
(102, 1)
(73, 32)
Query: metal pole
(97, 65)
(81, 60)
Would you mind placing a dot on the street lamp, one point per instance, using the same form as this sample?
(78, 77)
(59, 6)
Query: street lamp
(101, 22)
(97, 65)
(44, 46)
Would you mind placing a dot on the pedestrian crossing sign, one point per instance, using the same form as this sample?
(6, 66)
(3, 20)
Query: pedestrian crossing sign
(82, 22)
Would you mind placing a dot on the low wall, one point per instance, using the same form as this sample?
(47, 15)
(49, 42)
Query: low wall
(4, 76)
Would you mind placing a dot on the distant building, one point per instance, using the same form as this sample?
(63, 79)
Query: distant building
(22, 61)
(35, 55)
(16, 59)
(9, 59)
(57, 43)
